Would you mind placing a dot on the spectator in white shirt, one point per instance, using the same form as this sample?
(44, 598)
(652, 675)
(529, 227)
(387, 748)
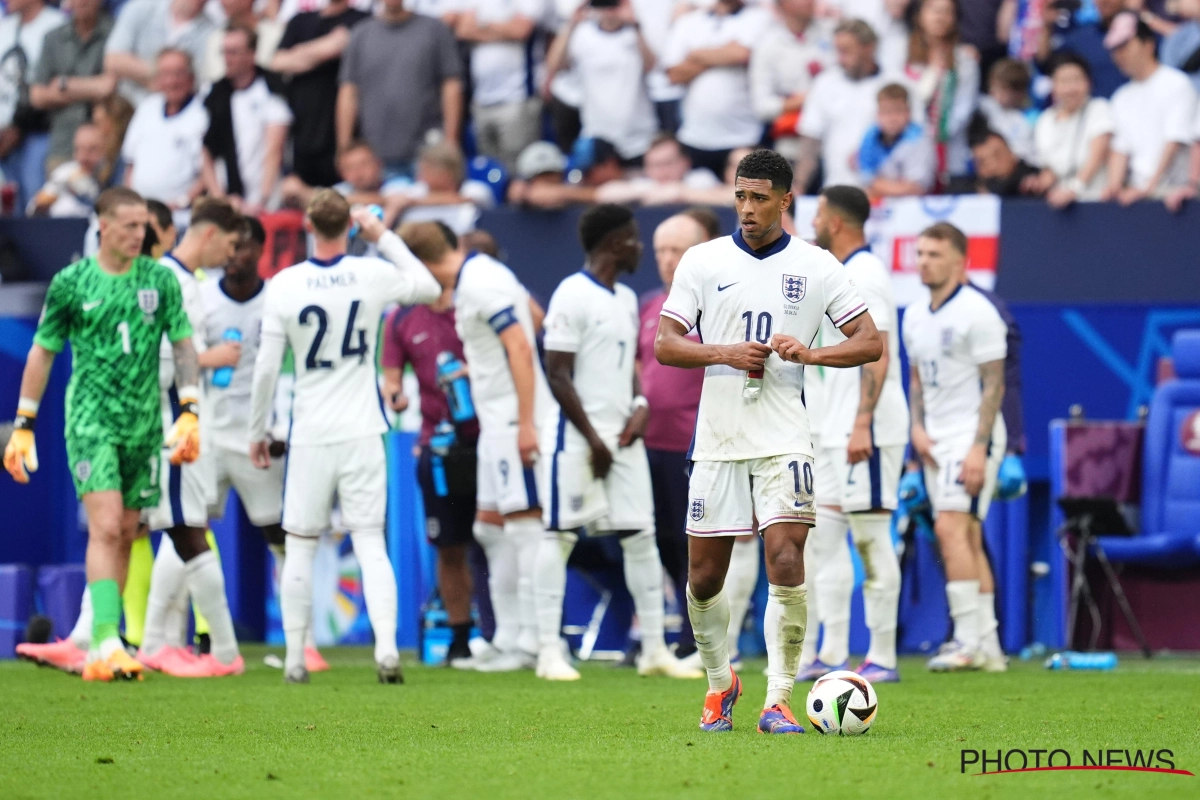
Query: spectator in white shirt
(1176, 197)
(164, 145)
(1153, 117)
(783, 65)
(142, 30)
(248, 126)
(708, 51)
(945, 77)
(896, 158)
(72, 188)
(840, 108)
(241, 14)
(1006, 106)
(667, 176)
(506, 111)
(889, 20)
(605, 49)
(362, 182)
(656, 18)
(1073, 136)
(440, 192)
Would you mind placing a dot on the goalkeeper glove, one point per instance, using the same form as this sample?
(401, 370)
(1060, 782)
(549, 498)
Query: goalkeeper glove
(20, 456)
(1010, 482)
(184, 436)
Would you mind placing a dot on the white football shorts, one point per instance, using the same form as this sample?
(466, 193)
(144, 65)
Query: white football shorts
(355, 471)
(946, 492)
(726, 497)
(187, 492)
(259, 490)
(503, 483)
(622, 501)
(867, 485)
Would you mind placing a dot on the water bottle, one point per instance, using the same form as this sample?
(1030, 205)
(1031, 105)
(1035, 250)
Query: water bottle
(439, 445)
(223, 375)
(457, 387)
(1032, 651)
(753, 385)
(1091, 661)
(376, 210)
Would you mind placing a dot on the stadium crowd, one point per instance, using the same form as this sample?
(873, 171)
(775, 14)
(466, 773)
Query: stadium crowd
(461, 104)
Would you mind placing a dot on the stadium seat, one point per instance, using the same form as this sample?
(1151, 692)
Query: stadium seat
(1170, 521)
(492, 172)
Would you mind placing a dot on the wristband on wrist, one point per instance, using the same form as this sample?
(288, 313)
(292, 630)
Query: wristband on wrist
(28, 407)
(640, 402)
(190, 407)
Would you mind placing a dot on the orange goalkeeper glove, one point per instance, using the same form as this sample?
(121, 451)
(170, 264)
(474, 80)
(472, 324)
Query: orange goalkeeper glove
(184, 436)
(20, 456)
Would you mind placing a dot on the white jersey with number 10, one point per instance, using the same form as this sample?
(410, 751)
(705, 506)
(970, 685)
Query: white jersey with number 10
(731, 293)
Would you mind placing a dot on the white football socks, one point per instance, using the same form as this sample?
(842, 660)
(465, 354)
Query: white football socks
(784, 625)
(550, 585)
(81, 634)
(989, 627)
(881, 591)
(644, 579)
(168, 589)
(501, 552)
(834, 578)
(379, 589)
(740, 582)
(527, 534)
(279, 552)
(808, 653)
(295, 595)
(710, 625)
(963, 598)
(206, 584)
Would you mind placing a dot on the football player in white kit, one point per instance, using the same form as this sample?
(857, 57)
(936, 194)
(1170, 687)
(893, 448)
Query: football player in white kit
(493, 316)
(328, 309)
(863, 430)
(185, 564)
(596, 469)
(756, 299)
(233, 301)
(956, 348)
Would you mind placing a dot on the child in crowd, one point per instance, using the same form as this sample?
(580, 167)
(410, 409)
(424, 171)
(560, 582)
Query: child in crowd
(72, 188)
(896, 158)
(1006, 106)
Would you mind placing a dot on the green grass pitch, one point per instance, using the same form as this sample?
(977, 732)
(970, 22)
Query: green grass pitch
(447, 734)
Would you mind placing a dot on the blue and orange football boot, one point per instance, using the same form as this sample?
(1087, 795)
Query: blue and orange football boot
(877, 674)
(778, 719)
(718, 707)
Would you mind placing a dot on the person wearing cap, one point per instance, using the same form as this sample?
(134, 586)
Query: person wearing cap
(1060, 33)
(1153, 117)
(543, 180)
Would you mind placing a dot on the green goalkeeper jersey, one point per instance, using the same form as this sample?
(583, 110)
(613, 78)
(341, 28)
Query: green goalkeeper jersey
(115, 324)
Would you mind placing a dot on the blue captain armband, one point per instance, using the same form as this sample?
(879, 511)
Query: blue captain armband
(502, 319)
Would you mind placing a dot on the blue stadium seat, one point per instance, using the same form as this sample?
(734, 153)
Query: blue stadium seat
(1170, 525)
(492, 172)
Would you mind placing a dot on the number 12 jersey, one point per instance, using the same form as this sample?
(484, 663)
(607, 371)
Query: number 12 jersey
(731, 293)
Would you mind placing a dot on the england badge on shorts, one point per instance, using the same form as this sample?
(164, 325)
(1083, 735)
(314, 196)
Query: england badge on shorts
(148, 300)
(793, 287)
(697, 510)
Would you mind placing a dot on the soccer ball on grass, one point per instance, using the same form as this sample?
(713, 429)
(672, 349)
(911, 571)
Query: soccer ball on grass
(842, 702)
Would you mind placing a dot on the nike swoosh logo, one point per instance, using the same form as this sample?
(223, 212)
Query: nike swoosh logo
(726, 286)
(89, 306)
(147, 492)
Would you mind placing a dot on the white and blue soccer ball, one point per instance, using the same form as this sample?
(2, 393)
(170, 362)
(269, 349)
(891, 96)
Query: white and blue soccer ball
(842, 703)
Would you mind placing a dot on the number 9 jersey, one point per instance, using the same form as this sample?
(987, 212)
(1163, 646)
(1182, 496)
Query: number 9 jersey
(731, 293)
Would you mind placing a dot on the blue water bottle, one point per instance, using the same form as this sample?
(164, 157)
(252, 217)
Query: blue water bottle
(223, 375)
(439, 445)
(457, 386)
(1091, 661)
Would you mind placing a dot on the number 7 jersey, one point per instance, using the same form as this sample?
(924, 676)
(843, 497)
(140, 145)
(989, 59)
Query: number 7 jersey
(731, 293)
(329, 312)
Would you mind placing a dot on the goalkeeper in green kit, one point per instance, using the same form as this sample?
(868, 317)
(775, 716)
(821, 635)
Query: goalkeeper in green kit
(114, 308)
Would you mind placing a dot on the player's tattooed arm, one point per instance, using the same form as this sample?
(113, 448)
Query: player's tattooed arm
(922, 445)
(992, 376)
(187, 363)
(873, 375)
